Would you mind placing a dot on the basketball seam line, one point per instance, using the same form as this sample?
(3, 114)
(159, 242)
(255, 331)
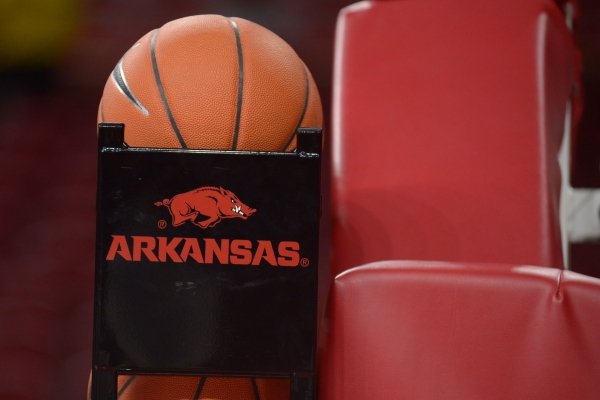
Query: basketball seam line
(126, 385)
(118, 76)
(238, 112)
(255, 389)
(161, 90)
(199, 388)
(293, 135)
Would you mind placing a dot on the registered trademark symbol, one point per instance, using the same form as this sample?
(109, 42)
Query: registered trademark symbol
(162, 224)
(305, 262)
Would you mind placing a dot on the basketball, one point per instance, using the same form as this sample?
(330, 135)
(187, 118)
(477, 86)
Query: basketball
(211, 82)
(189, 387)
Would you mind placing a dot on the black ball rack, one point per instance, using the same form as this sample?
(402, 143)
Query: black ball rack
(206, 263)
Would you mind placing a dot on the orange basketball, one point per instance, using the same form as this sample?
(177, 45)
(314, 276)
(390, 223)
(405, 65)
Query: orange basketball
(211, 82)
(156, 387)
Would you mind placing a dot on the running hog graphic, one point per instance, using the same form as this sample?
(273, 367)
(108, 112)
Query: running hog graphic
(214, 203)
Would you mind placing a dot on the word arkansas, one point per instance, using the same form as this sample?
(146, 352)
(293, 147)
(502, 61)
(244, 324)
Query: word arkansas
(203, 251)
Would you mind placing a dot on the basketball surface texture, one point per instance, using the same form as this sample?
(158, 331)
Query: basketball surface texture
(211, 82)
(197, 388)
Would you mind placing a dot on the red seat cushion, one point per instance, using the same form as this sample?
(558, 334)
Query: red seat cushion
(423, 330)
(447, 120)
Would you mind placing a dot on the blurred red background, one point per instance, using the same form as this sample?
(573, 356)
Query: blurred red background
(54, 60)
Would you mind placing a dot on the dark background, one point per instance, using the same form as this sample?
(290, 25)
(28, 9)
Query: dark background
(55, 57)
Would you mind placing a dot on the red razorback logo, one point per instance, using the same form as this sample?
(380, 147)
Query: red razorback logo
(214, 203)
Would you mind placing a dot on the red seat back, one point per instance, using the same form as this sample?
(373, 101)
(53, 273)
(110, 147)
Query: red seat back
(422, 330)
(448, 116)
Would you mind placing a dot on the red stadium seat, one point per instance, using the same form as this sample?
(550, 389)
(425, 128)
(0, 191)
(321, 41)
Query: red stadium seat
(447, 120)
(424, 330)
(571, 9)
